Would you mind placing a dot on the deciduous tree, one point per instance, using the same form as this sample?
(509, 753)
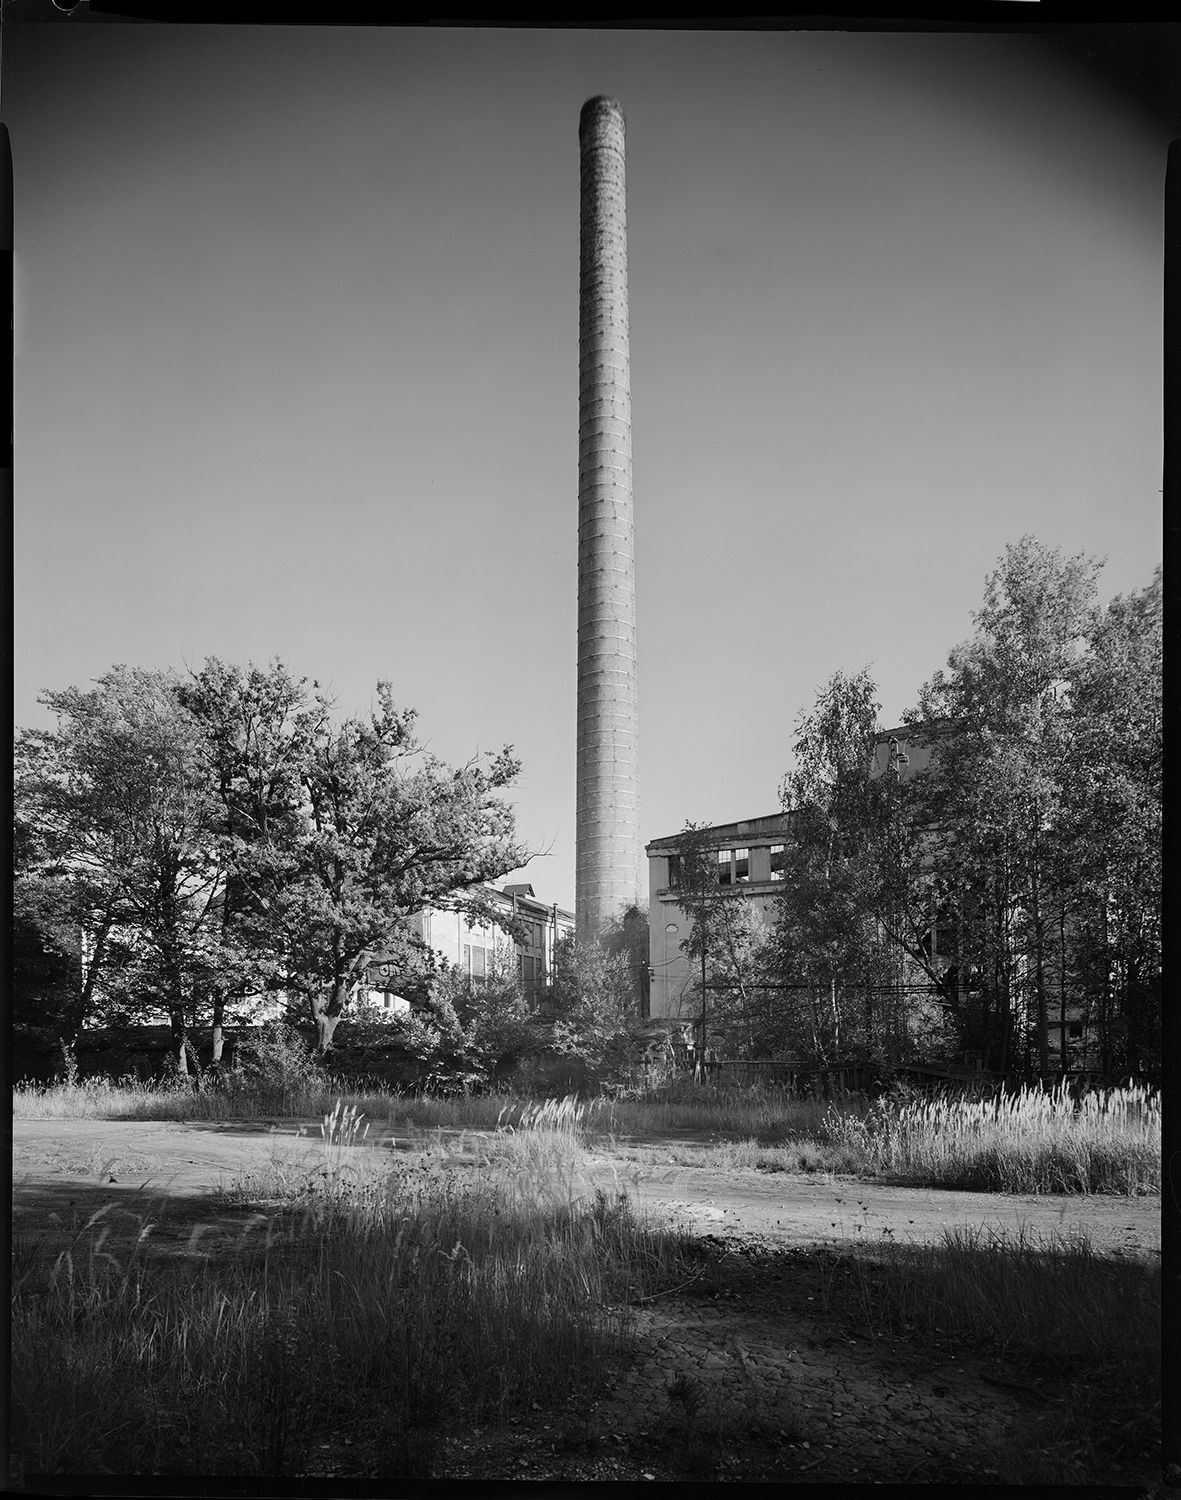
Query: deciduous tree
(258, 728)
(1002, 718)
(387, 829)
(118, 798)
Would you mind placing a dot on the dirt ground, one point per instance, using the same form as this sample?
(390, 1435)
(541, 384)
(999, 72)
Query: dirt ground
(780, 1390)
(182, 1165)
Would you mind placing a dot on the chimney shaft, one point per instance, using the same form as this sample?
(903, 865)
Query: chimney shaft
(607, 835)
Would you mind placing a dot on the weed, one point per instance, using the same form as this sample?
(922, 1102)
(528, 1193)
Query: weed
(1024, 1142)
(383, 1305)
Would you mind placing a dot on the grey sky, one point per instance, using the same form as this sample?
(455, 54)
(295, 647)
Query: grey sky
(296, 368)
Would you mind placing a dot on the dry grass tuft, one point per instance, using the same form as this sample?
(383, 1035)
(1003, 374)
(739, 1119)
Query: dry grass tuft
(376, 1308)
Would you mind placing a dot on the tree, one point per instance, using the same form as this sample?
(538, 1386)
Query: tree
(386, 830)
(1027, 852)
(723, 943)
(627, 933)
(853, 916)
(53, 972)
(117, 801)
(492, 1026)
(591, 1001)
(1002, 715)
(258, 728)
(1113, 828)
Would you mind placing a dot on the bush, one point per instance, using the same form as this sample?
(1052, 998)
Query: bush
(276, 1061)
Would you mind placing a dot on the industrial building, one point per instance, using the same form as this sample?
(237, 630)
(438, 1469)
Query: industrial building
(467, 943)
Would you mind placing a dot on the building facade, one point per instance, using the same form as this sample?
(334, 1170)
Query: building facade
(475, 947)
(749, 864)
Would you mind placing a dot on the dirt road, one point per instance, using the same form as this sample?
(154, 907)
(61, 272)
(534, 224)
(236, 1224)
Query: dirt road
(789, 1393)
(90, 1161)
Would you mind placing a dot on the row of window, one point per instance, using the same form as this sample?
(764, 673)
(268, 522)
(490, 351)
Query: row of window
(732, 866)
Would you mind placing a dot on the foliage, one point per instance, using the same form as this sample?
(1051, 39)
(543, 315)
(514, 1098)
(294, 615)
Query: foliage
(257, 728)
(853, 907)
(223, 837)
(627, 934)
(465, 1032)
(592, 1003)
(373, 1314)
(493, 1015)
(1113, 828)
(276, 1059)
(387, 829)
(725, 946)
(120, 812)
(1048, 851)
(1013, 882)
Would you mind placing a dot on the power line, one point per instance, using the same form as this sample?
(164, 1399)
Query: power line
(880, 989)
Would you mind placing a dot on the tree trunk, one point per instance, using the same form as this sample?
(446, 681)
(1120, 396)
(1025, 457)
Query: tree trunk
(1063, 1024)
(93, 969)
(180, 1042)
(327, 1011)
(218, 1026)
(1039, 975)
(325, 1029)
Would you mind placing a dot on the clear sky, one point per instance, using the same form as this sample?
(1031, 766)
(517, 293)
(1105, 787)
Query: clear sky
(296, 368)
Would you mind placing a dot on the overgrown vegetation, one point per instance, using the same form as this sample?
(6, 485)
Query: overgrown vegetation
(1025, 1142)
(378, 1302)
(223, 838)
(986, 879)
(373, 1313)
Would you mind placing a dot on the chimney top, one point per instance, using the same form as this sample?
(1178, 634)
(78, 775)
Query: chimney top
(600, 104)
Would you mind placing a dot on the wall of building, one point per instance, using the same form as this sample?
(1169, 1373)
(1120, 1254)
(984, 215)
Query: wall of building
(747, 872)
(475, 947)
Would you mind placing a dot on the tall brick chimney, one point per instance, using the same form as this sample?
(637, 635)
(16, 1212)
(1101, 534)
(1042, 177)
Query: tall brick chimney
(608, 852)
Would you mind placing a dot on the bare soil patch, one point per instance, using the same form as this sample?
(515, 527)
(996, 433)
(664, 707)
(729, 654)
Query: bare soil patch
(742, 1374)
(185, 1166)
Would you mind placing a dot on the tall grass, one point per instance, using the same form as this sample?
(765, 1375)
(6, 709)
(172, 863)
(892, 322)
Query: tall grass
(134, 1099)
(768, 1116)
(372, 1317)
(1025, 1142)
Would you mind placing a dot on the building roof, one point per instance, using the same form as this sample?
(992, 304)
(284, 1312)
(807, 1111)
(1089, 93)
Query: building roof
(521, 897)
(724, 833)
